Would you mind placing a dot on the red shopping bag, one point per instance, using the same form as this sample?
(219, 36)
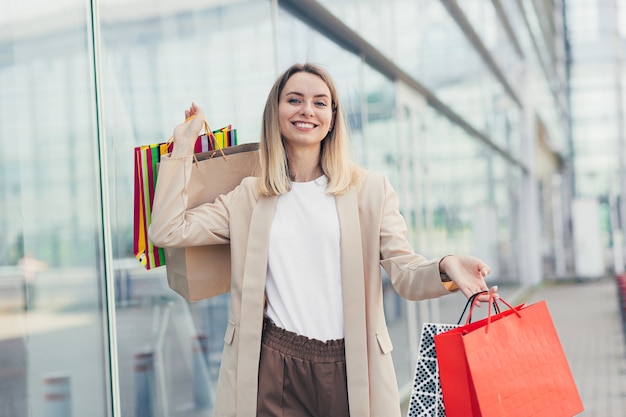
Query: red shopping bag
(509, 364)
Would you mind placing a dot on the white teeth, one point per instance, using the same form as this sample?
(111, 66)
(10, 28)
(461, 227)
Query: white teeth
(305, 125)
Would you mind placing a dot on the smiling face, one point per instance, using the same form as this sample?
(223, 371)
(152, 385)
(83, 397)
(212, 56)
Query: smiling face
(305, 111)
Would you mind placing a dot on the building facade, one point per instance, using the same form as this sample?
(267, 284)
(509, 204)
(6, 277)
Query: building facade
(596, 51)
(462, 104)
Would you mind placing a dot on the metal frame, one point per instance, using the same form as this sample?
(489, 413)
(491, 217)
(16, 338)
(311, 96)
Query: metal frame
(109, 316)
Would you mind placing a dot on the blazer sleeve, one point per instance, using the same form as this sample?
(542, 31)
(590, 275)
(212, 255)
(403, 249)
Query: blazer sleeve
(173, 223)
(412, 275)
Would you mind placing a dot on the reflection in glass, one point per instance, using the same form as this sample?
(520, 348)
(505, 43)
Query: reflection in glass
(52, 338)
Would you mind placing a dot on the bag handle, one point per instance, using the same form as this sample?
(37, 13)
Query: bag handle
(471, 303)
(209, 134)
(492, 300)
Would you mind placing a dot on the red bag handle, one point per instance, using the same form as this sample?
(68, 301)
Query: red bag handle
(492, 300)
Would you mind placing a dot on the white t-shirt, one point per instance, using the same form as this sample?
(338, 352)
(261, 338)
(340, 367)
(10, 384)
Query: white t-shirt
(303, 284)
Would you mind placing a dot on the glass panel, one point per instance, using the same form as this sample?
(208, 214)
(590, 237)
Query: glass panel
(598, 133)
(582, 17)
(381, 131)
(469, 185)
(372, 19)
(595, 174)
(512, 10)
(594, 104)
(158, 57)
(593, 76)
(52, 336)
(592, 20)
(488, 26)
(448, 65)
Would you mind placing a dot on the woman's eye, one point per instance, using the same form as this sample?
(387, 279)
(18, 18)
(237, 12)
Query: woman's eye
(293, 101)
(321, 104)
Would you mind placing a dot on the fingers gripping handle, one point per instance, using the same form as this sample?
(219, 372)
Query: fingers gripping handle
(471, 303)
(209, 134)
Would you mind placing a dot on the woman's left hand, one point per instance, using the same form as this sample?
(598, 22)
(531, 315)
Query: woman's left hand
(468, 273)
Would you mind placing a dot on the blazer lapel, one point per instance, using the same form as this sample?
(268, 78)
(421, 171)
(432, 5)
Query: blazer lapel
(252, 300)
(353, 289)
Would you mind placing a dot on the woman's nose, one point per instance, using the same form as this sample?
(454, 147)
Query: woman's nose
(307, 109)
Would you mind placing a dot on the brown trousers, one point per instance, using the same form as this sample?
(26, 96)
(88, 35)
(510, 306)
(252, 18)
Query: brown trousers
(301, 377)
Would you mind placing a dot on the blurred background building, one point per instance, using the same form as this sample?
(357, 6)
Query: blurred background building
(499, 122)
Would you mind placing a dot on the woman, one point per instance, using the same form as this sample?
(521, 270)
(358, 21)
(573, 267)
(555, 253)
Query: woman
(306, 333)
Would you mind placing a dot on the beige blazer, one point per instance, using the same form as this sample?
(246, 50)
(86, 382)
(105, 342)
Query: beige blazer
(373, 233)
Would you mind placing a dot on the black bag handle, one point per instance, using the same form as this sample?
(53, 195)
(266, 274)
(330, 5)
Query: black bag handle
(471, 302)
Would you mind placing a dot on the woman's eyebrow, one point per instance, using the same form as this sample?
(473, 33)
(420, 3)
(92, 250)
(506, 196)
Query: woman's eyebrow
(302, 95)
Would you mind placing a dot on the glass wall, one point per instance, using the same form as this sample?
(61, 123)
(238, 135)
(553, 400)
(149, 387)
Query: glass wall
(53, 338)
(85, 329)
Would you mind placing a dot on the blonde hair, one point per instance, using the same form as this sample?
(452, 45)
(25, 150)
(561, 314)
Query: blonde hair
(335, 158)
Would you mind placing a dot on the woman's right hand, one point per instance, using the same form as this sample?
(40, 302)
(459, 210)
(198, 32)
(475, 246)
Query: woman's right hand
(186, 133)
